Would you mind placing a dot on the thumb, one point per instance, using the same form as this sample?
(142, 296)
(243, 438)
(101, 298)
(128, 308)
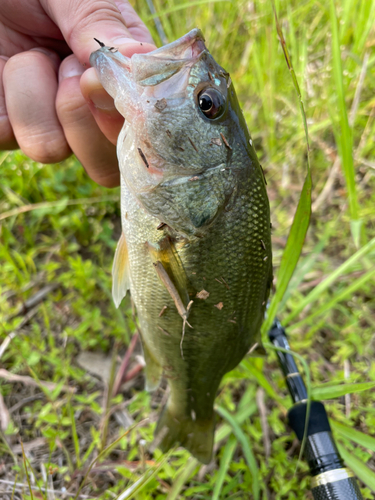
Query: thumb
(114, 22)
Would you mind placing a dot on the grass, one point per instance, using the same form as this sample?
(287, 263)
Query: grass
(57, 227)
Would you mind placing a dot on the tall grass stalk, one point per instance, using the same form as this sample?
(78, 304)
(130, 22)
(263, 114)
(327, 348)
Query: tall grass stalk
(343, 135)
(302, 215)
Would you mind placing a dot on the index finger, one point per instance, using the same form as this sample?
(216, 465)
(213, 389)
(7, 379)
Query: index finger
(113, 22)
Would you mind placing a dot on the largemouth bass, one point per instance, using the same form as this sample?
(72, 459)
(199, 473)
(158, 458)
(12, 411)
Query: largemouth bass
(195, 251)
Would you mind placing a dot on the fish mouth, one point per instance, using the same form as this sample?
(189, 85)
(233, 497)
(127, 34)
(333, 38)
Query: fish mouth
(159, 65)
(126, 79)
(188, 46)
(150, 68)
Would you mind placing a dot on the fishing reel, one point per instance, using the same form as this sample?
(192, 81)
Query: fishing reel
(331, 480)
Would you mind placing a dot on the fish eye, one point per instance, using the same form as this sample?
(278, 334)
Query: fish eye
(211, 103)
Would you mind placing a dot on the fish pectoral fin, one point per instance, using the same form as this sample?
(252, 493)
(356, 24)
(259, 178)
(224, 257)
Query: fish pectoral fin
(120, 272)
(171, 288)
(172, 274)
(168, 256)
(196, 435)
(153, 370)
(173, 292)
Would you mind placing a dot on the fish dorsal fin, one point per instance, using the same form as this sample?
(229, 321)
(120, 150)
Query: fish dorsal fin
(120, 272)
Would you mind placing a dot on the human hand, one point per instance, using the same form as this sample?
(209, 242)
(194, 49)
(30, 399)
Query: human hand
(44, 49)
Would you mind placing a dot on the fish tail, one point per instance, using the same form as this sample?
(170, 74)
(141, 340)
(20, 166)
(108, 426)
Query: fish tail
(196, 435)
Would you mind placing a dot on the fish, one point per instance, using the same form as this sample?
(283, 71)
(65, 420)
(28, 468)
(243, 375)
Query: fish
(195, 249)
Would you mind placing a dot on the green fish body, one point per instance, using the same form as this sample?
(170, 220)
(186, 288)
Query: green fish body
(195, 251)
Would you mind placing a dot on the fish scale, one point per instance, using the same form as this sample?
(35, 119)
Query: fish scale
(195, 250)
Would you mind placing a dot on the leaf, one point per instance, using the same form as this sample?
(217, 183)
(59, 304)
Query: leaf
(224, 465)
(356, 436)
(328, 391)
(51, 418)
(246, 448)
(324, 285)
(360, 469)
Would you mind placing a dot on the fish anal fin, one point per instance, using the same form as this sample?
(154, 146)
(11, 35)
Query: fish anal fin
(197, 435)
(120, 272)
(153, 370)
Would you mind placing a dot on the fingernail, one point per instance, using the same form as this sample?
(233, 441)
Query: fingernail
(69, 68)
(102, 101)
(49, 53)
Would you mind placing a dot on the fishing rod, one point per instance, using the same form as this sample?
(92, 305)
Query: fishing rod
(331, 480)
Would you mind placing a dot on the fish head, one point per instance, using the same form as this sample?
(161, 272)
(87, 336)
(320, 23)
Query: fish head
(181, 113)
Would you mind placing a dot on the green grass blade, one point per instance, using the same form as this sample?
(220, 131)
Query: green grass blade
(138, 486)
(324, 285)
(305, 266)
(27, 471)
(246, 448)
(301, 219)
(74, 435)
(344, 138)
(261, 379)
(224, 465)
(101, 455)
(366, 24)
(364, 473)
(182, 6)
(48, 206)
(292, 251)
(349, 291)
(225, 430)
(181, 479)
(222, 433)
(356, 436)
(329, 391)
